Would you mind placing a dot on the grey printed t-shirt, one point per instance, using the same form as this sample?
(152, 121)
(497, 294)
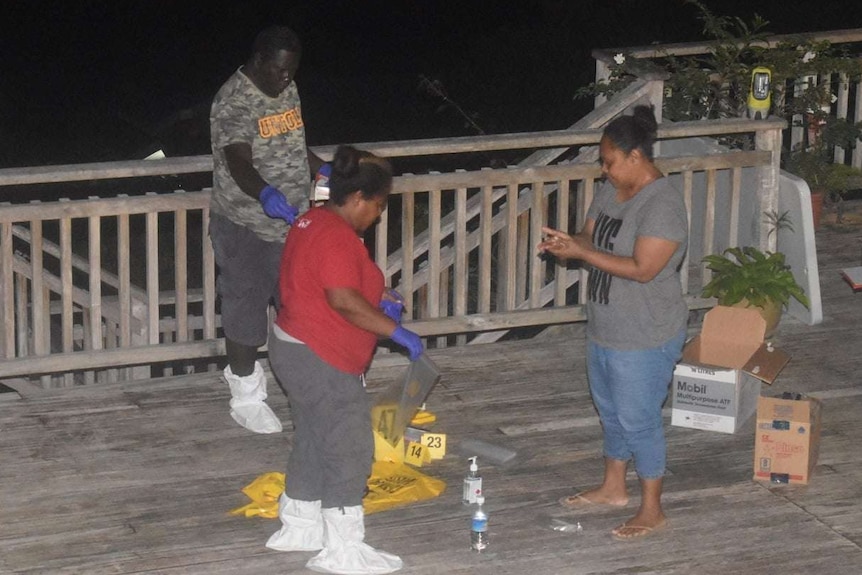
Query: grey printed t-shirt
(626, 314)
(273, 127)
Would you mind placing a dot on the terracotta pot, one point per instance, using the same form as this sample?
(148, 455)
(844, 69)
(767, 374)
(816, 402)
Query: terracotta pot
(815, 128)
(771, 314)
(817, 207)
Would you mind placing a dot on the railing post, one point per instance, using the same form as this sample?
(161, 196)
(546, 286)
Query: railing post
(856, 157)
(841, 105)
(770, 141)
(603, 73)
(656, 96)
(656, 100)
(7, 294)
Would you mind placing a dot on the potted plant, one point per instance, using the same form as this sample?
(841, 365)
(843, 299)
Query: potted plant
(827, 180)
(747, 277)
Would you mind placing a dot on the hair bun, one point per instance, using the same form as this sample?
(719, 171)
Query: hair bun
(345, 163)
(645, 118)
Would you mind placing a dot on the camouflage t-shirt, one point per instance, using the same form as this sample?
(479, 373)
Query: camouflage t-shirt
(273, 127)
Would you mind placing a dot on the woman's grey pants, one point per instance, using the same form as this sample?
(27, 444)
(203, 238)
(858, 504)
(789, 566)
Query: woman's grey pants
(333, 444)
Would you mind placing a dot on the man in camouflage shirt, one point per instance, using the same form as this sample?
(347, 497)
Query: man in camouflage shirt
(261, 177)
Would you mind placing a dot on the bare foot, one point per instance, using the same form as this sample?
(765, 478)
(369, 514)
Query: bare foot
(595, 496)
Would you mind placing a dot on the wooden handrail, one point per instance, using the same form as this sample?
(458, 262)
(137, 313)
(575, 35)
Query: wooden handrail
(845, 36)
(469, 144)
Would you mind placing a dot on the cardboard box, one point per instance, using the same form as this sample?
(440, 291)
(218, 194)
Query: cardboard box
(788, 439)
(717, 383)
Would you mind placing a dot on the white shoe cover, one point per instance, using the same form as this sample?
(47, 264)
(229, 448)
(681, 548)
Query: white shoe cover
(247, 405)
(344, 551)
(301, 526)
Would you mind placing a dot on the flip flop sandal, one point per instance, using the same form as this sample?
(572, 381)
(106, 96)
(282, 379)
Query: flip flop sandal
(580, 501)
(640, 531)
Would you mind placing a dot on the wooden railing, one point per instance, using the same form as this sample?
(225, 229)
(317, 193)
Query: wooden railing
(90, 275)
(115, 288)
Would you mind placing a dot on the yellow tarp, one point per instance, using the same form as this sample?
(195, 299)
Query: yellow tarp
(390, 485)
(396, 484)
(264, 492)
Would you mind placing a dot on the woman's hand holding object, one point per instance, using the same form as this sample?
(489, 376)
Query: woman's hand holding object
(411, 341)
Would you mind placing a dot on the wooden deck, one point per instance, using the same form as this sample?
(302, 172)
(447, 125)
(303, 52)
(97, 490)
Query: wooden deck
(138, 478)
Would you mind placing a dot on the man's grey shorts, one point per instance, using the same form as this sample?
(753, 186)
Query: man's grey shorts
(247, 280)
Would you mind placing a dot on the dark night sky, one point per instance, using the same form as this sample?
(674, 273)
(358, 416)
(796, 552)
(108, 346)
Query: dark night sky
(83, 80)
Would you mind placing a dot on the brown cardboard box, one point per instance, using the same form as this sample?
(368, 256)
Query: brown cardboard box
(787, 439)
(716, 384)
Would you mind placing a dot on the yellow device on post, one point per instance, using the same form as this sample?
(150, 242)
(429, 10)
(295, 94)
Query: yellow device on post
(760, 93)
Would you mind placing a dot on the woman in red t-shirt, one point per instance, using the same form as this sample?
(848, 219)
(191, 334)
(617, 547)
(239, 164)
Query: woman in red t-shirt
(322, 343)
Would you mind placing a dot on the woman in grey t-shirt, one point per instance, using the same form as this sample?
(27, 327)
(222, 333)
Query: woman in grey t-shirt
(634, 240)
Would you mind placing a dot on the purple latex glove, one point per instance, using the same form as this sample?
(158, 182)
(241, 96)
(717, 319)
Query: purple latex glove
(392, 309)
(275, 205)
(392, 305)
(324, 171)
(409, 340)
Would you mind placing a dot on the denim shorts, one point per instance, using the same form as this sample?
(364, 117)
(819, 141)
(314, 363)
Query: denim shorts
(628, 389)
(247, 282)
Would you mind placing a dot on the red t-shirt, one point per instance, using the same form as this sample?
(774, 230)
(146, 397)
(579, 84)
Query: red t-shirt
(322, 251)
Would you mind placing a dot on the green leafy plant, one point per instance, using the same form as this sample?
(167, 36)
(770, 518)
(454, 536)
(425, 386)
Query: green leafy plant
(776, 221)
(814, 162)
(716, 84)
(747, 273)
(814, 165)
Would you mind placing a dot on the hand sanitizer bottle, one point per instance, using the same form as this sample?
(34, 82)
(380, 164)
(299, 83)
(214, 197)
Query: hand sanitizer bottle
(472, 483)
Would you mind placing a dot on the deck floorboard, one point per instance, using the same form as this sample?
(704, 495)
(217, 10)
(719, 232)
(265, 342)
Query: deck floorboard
(137, 478)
